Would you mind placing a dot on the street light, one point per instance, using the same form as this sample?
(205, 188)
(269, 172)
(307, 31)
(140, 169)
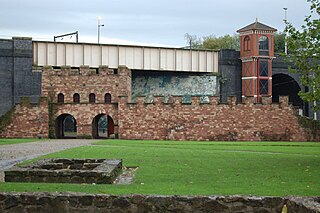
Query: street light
(99, 25)
(285, 39)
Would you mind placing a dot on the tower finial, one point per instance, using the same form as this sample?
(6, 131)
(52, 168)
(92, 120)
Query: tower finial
(256, 19)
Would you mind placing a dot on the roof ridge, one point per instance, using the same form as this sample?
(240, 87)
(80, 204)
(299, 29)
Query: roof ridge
(256, 26)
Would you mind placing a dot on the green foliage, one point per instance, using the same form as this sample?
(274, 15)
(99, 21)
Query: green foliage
(213, 42)
(304, 53)
(6, 119)
(52, 109)
(279, 42)
(310, 124)
(200, 168)
(223, 42)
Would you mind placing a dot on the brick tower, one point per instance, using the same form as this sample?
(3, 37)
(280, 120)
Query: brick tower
(256, 53)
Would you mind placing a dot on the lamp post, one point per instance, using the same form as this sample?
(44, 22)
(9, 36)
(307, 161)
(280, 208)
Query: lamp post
(99, 25)
(285, 39)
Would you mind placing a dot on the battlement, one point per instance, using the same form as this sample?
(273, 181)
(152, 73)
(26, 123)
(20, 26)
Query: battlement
(202, 100)
(83, 71)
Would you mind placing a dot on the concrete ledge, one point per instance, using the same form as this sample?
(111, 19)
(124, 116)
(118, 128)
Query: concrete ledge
(77, 202)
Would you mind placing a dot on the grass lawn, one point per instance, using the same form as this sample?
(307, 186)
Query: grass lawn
(201, 168)
(5, 141)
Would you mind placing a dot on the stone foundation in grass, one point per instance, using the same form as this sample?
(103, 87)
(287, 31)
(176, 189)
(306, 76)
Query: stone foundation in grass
(76, 202)
(60, 170)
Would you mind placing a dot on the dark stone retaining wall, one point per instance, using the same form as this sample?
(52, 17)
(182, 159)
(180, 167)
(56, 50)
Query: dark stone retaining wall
(75, 202)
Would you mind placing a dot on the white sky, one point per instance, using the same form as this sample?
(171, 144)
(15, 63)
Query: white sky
(144, 22)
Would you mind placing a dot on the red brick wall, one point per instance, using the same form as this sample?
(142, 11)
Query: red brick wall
(85, 113)
(85, 81)
(176, 121)
(28, 121)
(160, 121)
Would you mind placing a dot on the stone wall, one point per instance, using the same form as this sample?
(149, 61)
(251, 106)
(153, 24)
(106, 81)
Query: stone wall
(17, 78)
(28, 120)
(62, 170)
(76, 202)
(84, 113)
(175, 120)
(84, 81)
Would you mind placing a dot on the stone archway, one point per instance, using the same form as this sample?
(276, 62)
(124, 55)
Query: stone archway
(102, 126)
(284, 85)
(66, 126)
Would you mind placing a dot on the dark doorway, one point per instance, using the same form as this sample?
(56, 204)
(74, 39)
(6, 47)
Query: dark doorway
(284, 85)
(102, 126)
(66, 126)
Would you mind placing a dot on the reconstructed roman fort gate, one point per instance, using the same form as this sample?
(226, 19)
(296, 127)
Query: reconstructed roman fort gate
(68, 90)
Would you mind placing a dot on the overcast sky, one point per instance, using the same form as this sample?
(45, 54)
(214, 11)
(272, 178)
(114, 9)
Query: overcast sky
(146, 22)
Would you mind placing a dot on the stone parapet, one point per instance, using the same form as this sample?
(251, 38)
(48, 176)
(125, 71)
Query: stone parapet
(78, 202)
(197, 100)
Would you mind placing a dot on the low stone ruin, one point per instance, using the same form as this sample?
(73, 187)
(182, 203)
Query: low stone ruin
(61, 170)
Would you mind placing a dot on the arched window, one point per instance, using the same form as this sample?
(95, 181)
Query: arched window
(60, 98)
(92, 98)
(263, 43)
(76, 98)
(107, 98)
(246, 43)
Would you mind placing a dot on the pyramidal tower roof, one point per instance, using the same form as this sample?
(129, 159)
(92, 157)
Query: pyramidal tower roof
(256, 26)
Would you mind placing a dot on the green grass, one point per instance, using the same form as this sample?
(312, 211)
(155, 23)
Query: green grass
(201, 168)
(5, 141)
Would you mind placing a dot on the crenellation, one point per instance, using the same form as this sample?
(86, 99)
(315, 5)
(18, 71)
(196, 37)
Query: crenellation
(249, 100)
(283, 101)
(232, 100)
(214, 100)
(158, 99)
(204, 100)
(195, 100)
(266, 100)
(177, 100)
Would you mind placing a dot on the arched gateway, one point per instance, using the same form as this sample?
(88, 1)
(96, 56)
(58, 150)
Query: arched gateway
(102, 126)
(66, 126)
(284, 85)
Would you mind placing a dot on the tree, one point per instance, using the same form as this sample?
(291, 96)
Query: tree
(212, 42)
(223, 42)
(279, 42)
(304, 54)
(193, 41)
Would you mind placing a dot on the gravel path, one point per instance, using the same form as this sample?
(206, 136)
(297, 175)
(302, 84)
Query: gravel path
(15, 153)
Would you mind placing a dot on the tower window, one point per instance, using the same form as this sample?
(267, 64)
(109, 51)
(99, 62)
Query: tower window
(76, 98)
(92, 98)
(60, 98)
(263, 67)
(264, 87)
(246, 43)
(263, 43)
